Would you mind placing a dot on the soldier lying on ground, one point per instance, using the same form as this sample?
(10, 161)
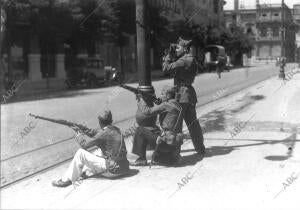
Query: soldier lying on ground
(109, 159)
(168, 150)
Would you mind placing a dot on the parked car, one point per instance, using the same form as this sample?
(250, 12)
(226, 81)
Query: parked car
(215, 56)
(89, 72)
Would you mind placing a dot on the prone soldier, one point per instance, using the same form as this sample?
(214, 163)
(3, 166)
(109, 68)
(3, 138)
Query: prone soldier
(185, 70)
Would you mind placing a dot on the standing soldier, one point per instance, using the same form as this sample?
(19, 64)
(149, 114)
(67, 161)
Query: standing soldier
(184, 68)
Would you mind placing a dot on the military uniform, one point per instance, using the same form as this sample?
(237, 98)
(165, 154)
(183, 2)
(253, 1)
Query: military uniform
(147, 131)
(109, 159)
(185, 70)
(169, 115)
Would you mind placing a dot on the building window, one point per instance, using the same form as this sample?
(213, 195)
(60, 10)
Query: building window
(263, 32)
(276, 14)
(264, 15)
(216, 6)
(249, 30)
(275, 32)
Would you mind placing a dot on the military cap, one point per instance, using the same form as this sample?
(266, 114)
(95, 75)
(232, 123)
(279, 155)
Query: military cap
(183, 42)
(169, 90)
(105, 117)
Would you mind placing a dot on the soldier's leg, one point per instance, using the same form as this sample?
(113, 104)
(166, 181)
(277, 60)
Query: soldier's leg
(175, 155)
(142, 138)
(178, 128)
(83, 158)
(194, 127)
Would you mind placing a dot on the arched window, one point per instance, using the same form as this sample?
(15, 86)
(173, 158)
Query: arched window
(263, 32)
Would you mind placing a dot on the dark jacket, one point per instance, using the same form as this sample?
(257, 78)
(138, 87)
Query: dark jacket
(169, 117)
(185, 70)
(169, 113)
(145, 120)
(113, 147)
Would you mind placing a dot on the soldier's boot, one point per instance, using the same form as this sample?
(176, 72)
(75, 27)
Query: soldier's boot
(176, 157)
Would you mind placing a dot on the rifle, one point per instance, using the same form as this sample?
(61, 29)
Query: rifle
(172, 51)
(137, 91)
(78, 127)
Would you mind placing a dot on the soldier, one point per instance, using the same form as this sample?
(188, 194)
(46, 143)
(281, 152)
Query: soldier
(110, 160)
(169, 140)
(184, 68)
(146, 132)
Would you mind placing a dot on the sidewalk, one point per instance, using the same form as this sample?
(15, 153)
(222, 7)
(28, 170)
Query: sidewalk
(245, 170)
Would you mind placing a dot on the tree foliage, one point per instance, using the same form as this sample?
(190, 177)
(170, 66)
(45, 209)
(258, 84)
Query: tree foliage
(236, 41)
(70, 21)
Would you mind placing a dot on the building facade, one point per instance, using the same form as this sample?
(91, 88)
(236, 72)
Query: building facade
(296, 17)
(264, 24)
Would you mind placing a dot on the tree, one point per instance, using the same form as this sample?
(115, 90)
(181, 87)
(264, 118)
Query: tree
(237, 43)
(93, 21)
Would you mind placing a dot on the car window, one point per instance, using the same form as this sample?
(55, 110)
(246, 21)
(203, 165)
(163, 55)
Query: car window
(95, 64)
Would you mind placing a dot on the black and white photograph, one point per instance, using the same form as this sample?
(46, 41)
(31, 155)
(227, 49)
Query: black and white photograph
(150, 104)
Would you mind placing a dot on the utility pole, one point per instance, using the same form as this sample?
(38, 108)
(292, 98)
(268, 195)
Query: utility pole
(143, 56)
(282, 62)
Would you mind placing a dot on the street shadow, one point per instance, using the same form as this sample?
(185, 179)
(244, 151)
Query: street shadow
(209, 152)
(132, 172)
(247, 101)
(289, 142)
(216, 120)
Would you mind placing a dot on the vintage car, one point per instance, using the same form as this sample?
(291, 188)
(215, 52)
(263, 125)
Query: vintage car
(90, 72)
(215, 57)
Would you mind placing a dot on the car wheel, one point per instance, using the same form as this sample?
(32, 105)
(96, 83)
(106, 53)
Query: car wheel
(92, 81)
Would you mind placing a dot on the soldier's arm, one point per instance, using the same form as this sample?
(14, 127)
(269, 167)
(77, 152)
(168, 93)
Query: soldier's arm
(152, 111)
(91, 133)
(169, 67)
(95, 140)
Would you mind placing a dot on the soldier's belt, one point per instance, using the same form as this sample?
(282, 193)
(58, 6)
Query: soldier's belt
(171, 138)
(183, 85)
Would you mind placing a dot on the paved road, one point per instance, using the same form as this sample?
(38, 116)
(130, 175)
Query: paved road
(258, 168)
(82, 107)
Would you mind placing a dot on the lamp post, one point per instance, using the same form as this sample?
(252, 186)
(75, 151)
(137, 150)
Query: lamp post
(144, 71)
(282, 61)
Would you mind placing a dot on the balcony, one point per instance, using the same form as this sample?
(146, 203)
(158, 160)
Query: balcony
(269, 19)
(268, 39)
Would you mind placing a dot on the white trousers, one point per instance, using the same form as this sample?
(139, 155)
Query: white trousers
(84, 161)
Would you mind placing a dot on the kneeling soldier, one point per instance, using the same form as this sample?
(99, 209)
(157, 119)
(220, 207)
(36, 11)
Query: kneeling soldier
(109, 160)
(168, 142)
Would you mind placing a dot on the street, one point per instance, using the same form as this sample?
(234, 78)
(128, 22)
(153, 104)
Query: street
(256, 168)
(78, 125)
(47, 144)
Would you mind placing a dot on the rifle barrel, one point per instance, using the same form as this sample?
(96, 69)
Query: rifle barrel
(136, 91)
(62, 122)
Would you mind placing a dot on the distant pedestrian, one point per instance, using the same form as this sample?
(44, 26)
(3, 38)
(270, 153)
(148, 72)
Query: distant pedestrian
(184, 68)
